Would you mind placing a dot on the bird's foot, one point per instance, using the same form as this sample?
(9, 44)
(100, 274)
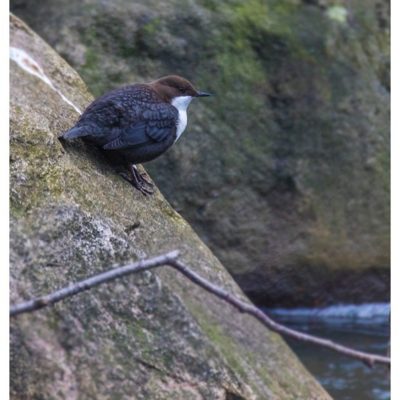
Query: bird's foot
(139, 185)
(138, 181)
(145, 178)
(146, 191)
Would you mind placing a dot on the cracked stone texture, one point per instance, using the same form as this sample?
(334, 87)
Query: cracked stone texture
(285, 172)
(149, 336)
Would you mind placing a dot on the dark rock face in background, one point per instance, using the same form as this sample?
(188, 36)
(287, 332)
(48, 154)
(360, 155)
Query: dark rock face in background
(285, 172)
(150, 336)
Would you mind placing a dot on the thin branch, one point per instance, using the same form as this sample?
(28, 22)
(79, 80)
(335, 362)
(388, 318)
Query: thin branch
(95, 280)
(171, 260)
(244, 307)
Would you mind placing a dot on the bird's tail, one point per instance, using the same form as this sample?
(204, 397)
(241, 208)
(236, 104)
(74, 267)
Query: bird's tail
(76, 132)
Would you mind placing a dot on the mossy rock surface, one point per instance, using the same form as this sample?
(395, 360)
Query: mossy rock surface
(150, 336)
(285, 172)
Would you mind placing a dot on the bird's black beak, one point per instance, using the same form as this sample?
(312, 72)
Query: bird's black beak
(203, 94)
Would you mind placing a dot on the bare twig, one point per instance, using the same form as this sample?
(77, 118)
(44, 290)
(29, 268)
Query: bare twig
(244, 307)
(95, 280)
(171, 260)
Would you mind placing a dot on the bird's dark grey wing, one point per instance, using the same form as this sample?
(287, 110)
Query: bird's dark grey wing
(128, 137)
(157, 122)
(126, 117)
(98, 121)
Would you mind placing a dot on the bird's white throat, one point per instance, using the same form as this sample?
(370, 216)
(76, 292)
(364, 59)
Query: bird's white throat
(181, 103)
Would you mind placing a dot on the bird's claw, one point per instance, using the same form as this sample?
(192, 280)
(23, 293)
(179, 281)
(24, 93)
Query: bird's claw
(138, 181)
(139, 184)
(143, 189)
(145, 179)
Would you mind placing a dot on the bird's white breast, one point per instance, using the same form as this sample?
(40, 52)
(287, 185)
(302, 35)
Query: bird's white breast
(181, 103)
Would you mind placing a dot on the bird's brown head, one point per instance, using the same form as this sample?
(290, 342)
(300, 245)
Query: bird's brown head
(172, 86)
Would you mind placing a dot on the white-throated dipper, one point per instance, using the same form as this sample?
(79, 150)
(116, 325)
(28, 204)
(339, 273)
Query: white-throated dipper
(137, 123)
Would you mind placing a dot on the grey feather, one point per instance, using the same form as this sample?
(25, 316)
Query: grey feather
(76, 132)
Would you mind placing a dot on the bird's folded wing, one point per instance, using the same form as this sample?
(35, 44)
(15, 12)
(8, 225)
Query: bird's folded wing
(157, 124)
(129, 137)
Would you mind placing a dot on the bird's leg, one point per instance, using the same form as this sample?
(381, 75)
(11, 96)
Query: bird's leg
(138, 181)
(142, 178)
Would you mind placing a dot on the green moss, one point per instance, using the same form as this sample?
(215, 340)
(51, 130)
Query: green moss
(221, 341)
(226, 346)
(151, 27)
(90, 70)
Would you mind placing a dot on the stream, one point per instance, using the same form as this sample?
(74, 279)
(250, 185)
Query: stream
(364, 327)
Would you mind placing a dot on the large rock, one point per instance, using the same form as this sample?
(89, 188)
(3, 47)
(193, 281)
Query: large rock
(149, 336)
(285, 173)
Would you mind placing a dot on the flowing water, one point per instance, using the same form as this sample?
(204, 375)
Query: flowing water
(364, 327)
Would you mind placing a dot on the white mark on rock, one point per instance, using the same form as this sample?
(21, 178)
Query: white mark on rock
(28, 64)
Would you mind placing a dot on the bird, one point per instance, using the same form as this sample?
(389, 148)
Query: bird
(137, 123)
